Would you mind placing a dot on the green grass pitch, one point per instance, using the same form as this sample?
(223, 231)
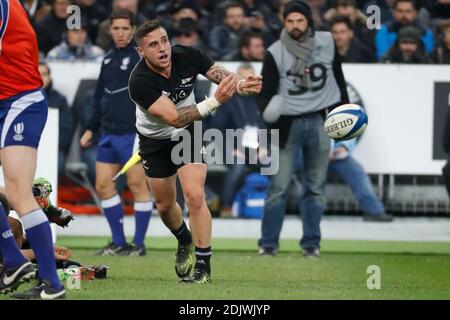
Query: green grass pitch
(409, 270)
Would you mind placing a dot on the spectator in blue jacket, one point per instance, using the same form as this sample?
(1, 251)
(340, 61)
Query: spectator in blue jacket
(408, 48)
(405, 14)
(66, 122)
(225, 38)
(346, 168)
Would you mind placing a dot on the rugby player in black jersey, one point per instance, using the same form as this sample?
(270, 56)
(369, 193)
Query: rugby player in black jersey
(162, 85)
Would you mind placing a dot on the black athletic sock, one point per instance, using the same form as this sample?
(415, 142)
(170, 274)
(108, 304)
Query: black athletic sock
(183, 235)
(203, 255)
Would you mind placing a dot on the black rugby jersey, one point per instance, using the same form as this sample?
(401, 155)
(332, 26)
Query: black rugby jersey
(147, 86)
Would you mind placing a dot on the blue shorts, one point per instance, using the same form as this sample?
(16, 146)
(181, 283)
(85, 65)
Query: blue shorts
(23, 118)
(117, 148)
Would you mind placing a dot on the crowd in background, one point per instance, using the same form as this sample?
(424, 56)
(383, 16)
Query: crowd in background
(410, 31)
(241, 30)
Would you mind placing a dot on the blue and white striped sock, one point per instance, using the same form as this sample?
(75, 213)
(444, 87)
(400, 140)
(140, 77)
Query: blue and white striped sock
(39, 235)
(143, 212)
(113, 210)
(11, 254)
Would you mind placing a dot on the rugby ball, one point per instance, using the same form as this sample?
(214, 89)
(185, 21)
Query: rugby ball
(346, 122)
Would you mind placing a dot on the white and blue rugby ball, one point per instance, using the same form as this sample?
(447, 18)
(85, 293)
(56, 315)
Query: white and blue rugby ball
(346, 122)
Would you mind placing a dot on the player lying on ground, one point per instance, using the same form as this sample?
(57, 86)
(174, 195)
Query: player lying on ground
(42, 189)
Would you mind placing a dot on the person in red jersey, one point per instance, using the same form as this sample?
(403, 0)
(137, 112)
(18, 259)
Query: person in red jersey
(23, 114)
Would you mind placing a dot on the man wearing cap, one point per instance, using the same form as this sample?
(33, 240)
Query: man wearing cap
(303, 79)
(408, 48)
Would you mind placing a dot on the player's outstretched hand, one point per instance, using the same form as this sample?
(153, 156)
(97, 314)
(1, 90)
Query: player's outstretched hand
(62, 253)
(226, 89)
(252, 85)
(86, 139)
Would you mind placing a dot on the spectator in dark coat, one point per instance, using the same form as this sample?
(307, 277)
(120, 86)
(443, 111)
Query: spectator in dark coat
(275, 21)
(349, 47)
(224, 38)
(187, 33)
(442, 53)
(251, 6)
(66, 122)
(50, 29)
(94, 13)
(257, 24)
(251, 48)
(35, 9)
(434, 13)
(76, 45)
(408, 48)
(358, 19)
(188, 9)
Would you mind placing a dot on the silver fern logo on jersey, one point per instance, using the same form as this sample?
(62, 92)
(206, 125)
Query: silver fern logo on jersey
(18, 129)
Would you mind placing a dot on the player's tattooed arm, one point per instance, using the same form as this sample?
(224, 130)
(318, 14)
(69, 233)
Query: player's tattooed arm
(166, 110)
(187, 115)
(218, 72)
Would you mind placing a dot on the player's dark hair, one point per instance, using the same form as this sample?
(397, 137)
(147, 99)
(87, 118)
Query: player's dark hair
(413, 2)
(246, 36)
(341, 19)
(122, 14)
(146, 28)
